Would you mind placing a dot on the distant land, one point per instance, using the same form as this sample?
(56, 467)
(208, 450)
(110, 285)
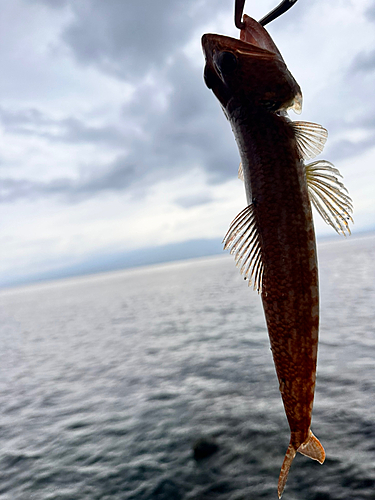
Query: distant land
(113, 261)
(98, 263)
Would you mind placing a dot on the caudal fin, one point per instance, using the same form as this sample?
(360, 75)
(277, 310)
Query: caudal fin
(311, 448)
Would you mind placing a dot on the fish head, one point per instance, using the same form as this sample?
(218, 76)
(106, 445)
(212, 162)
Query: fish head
(249, 71)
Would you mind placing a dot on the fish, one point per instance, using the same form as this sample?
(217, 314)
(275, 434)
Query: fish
(273, 237)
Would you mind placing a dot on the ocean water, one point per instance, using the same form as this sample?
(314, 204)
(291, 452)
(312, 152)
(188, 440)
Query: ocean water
(108, 381)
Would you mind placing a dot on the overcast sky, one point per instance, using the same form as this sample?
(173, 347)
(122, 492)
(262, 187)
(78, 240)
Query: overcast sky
(110, 142)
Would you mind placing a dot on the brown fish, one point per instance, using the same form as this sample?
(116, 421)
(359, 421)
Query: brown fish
(273, 238)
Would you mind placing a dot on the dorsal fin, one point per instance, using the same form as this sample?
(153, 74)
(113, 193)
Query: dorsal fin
(328, 195)
(243, 240)
(310, 137)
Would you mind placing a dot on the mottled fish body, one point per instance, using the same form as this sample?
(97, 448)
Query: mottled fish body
(273, 238)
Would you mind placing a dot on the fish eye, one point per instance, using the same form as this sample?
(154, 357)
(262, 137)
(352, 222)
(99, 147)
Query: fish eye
(226, 62)
(208, 77)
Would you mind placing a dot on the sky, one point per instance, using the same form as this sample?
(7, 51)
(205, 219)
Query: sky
(112, 150)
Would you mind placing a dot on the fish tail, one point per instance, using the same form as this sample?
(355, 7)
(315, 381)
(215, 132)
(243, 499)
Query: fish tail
(311, 448)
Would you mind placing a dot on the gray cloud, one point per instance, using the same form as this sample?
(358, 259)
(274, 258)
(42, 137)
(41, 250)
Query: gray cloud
(188, 131)
(55, 4)
(193, 200)
(173, 122)
(370, 12)
(161, 141)
(349, 113)
(131, 38)
(363, 62)
(71, 130)
(194, 129)
(118, 176)
(347, 149)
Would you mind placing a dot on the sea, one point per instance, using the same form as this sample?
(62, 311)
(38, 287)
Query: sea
(157, 383)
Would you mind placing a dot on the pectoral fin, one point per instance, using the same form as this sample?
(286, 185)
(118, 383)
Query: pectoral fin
(328, 195)
(310, 137)
(243, 240)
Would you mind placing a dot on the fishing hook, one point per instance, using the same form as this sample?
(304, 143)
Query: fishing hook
(271, 16)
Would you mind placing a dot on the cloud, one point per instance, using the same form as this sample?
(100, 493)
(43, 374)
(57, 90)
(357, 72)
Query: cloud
(32, 121)
(104, 113)
(116, 177)
(171, 124)
(364, 62)
(131, 38)
(193, 200)
(370, 12)
(55, 4)
(346, 148)
(166, 129)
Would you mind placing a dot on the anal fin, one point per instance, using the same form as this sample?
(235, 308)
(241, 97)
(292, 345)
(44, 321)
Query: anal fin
(288, 459)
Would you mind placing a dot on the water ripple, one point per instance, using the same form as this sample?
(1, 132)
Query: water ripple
(108, 381)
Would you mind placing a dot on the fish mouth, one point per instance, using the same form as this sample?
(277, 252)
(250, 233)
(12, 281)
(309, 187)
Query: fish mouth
(255, 34)
(254, 41)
